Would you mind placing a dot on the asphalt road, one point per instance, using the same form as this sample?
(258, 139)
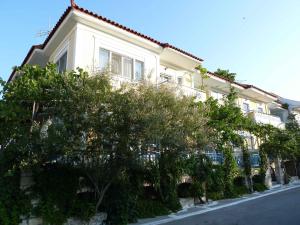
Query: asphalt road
(278, 209)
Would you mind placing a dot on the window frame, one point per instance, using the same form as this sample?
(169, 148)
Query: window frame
(135, 71)
(248, 107)
(123, 57)
(63, 54)
(109, 59)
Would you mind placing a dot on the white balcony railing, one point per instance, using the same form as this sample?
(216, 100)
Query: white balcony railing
(117, 81)
(267, 119)
(191, 92)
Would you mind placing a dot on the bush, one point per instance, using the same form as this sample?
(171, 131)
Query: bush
(120, 204)
(150, 208)
(197, 190)
(258, 179)
(184, 190)
(259, 187)
(239, 181)
(150, 192)
(215, 195)
(56, 188)
(240, 190)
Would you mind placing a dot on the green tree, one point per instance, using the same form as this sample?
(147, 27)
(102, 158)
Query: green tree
(225, 74)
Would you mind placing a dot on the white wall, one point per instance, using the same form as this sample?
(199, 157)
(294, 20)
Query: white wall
(68, 44)
(89, 41)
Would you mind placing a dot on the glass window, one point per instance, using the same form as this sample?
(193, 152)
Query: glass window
(116, 64)
(179, 80)
(246, 107)
(103, 59)
(127, 67)
(139, 70)
(260, 110)
(62, 63)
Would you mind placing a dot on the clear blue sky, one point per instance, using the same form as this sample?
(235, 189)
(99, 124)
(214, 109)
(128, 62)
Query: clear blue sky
(257, 39)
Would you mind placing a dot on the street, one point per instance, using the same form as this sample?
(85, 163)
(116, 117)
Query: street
(279, 209)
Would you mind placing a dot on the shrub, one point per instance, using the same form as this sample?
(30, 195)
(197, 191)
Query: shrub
(258, 179)
(149, 192)
(121, 204)
(184, 190)
(215, 195)
(239, 181)
(240, 190)
(259, 187)
(197, 190)
(147, 208)
(56, 188)
(13, 202)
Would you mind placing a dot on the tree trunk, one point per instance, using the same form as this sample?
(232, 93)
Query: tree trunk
(296, 169)
(101, 196)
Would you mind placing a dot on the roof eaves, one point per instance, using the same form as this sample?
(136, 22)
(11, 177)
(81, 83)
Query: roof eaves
(31, 50)
(245, 86)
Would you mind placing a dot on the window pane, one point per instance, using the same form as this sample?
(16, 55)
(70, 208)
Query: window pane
(104, 59)
(62, 63)
(127, 67)
(139, 70)
(246, 107)
(116, 64)
(179, 80)
(260, 110)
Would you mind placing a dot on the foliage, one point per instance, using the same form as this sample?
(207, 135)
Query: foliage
(101, 147)
(259, 187)
(13, 201)
(225, 74)
(240, 187)
(184, 190)
(53, 206)
(150, 208)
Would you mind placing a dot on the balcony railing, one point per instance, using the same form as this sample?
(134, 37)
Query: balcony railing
(117, 81)
(191, 92)
(267, 119)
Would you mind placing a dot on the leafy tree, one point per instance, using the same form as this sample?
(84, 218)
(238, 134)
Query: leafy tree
(228, 121)
(225, 74)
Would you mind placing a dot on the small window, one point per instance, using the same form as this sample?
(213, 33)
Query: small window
(260, 110)
(246, 107)
(61, 64)
(116, 64)
(179, 80)
(103, 59)
(127, 67)
(139, 70)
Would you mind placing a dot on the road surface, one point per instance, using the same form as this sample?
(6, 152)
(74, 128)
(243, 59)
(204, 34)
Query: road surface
(277, 209)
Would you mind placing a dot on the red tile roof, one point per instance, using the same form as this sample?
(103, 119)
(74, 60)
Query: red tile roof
(164, 45)
(75, 7)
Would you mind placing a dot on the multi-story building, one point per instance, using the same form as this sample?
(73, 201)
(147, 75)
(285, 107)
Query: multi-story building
(84, 39)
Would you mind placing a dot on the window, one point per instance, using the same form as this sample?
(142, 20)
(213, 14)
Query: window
(103, 58)
(127, 67)
(116, 64)
(139, 70)
(61, 64)
(121, 65)
(216, 95)
(260, 110)
(246, 107)
(179, 80)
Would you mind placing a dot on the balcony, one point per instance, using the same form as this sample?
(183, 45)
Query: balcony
(117, 81)
(267, 119)
(191, 92)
